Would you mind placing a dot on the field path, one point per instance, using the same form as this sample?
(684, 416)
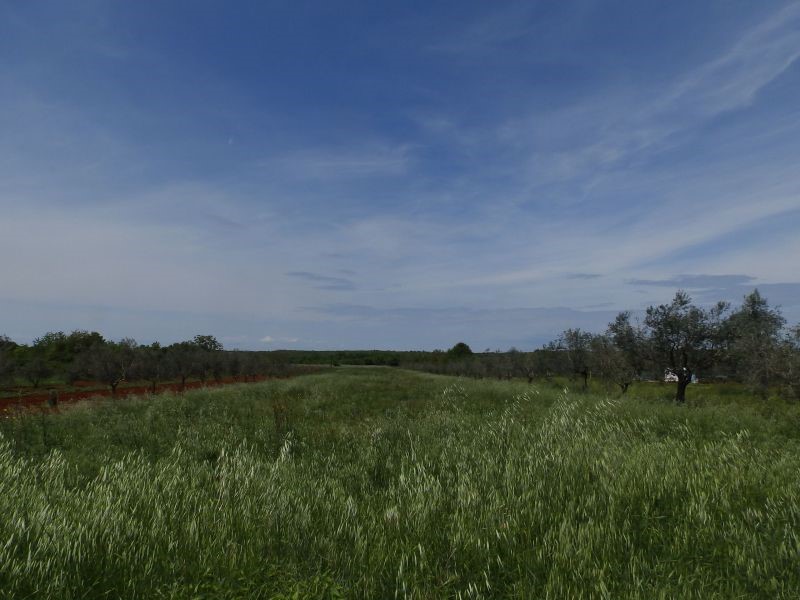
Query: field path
(39, 400)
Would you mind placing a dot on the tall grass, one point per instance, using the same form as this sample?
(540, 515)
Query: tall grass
(374, 483)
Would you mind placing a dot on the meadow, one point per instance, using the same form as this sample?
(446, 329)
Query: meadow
(385, 483)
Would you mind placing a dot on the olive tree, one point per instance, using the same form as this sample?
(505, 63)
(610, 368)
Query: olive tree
(252, 365)
(631, 340)
(111, 362)
(577, 346)
(790, 363)
(6, 366)
(610, 363)
(151, 365)
(182, 360)
(523, 364)
(32, 365)
(683, 337)
(753, 333)
(206, 363)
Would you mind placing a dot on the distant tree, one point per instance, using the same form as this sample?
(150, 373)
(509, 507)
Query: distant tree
(233, 363)
(790, 350)
(278, 365)
(610, 363)
(111, 363)
(61, 351)
(480, 367)
(552, 360)
(7, 362)
(577, 345)
(502, 365)
(631, 341)
(6, 343)
(52, 347)
(754, 344)
(515, 361)
(252, 365)
(205, 363)
(219, 366)
(35, 370)
(151, 365)
(524, 364)
(207, 342)
(182, 360)
(201, 357)
(31, 364)
(460, 350)
(80, 340)
(683, 337)
(6, 366)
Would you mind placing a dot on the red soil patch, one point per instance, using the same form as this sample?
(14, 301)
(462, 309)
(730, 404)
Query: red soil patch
(40, 400)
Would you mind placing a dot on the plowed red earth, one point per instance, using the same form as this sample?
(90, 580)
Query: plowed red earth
(40, 400)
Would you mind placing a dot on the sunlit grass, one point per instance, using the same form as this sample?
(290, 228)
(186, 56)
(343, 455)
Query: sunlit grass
(378, 483)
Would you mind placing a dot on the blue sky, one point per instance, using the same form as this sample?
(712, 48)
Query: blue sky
(392, 175)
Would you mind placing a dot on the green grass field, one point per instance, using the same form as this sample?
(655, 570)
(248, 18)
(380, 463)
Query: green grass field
(381, 483)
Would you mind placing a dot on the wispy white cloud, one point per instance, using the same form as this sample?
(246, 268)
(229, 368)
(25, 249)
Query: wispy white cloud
(324, 282)
(696, 281)
(361, 160)
(505, 23)
(733, 79)
(622, 126)
(268, 339)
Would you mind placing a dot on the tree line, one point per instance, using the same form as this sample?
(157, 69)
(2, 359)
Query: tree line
(679, 341)
(83, 355)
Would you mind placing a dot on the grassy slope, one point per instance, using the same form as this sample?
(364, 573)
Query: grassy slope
(377, 482)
